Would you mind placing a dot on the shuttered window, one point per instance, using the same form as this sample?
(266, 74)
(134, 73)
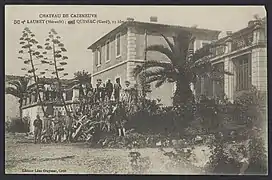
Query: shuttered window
(118, 45)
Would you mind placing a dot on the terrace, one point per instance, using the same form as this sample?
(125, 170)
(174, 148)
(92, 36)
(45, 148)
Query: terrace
(252, 36)
(49, 93)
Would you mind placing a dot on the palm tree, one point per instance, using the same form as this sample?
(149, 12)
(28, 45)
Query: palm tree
(82, 78)
(183, 68)
(18, 88)
(83, 81)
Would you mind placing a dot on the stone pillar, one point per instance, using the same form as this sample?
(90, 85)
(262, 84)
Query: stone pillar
(41, 94)
(214, 88)
(259, 68)
(64, 95)
(229, 79)
(131, 54)
(40, 112)
(258, 34)
(193, 89)
(259, 59)
(33, 97)
(75, 94)
(202, 86)
(93, 67)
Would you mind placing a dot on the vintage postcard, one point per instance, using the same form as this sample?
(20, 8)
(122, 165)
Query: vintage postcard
(135, 89)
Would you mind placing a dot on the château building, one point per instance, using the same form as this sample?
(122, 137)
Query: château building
(243, 53)
(119, 51)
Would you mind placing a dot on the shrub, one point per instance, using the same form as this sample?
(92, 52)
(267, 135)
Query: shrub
(16, 125)
(247, 112)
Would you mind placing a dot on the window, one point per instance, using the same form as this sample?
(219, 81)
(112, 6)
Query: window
(118, 45)
(99, 56)
(243, 74)
(107, 51)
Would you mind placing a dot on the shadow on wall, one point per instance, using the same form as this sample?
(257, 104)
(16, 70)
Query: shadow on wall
(11, 107)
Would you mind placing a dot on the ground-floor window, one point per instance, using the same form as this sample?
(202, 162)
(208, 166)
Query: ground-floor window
(243, 73)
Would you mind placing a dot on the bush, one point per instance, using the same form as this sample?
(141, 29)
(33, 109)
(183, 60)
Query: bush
(16, 125)
(154, 119)
(247, 112)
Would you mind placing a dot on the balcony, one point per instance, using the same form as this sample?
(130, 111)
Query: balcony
(218, 50)
(241, 41)
(48, 97)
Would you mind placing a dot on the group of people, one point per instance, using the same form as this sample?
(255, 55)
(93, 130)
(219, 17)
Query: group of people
(101, 92)
(59, 128)
(112, 92)
(54, 129)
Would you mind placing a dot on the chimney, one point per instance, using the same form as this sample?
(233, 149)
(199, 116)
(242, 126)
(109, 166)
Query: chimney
(153, 19)
(130, 19)
(229, 33)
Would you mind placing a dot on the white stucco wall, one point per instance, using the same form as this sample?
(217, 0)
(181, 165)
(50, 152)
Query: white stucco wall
(32, 112)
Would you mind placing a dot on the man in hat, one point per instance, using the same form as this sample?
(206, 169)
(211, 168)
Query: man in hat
(117, 90)
(37, 129)
(69, 126)
(109, 89)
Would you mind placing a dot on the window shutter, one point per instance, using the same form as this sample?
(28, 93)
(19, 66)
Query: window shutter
(96, 57)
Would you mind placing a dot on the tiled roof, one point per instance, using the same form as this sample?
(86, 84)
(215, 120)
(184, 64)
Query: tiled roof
(150, 26)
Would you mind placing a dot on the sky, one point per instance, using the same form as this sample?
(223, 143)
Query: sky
(78, 37)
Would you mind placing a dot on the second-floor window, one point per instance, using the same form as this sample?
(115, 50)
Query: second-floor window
(118, 45)
(107, 51)
(99, 60)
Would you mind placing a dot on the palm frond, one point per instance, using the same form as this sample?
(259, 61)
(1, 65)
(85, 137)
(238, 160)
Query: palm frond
(154, 71)
(21, 84)
(13, 91)
(150, 64)
(151, 79)
(154, 63)
(160, 82)
(15, 83)
(169, 43)
(163, 50)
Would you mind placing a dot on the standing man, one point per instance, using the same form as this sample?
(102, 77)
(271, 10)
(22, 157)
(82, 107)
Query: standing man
(126, 92)
(117, 89)
(109, 89)
(37, 129)
(98, 91)
(103, 92)
(69, 126)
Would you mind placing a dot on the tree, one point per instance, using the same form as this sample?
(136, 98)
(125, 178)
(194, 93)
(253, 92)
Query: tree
(31, 48)
(55, 48)
(18, 88)
(83, 81)
(184, 66)
(82, 78)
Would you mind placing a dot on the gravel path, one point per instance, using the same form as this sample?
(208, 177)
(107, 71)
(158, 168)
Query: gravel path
(22, 156)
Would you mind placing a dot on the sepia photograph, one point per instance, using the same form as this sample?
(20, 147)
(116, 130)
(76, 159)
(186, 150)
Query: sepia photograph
(107, 89)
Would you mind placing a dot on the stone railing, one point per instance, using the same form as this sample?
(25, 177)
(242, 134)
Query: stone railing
(218, 50)
(47, 97)
(242, 41)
